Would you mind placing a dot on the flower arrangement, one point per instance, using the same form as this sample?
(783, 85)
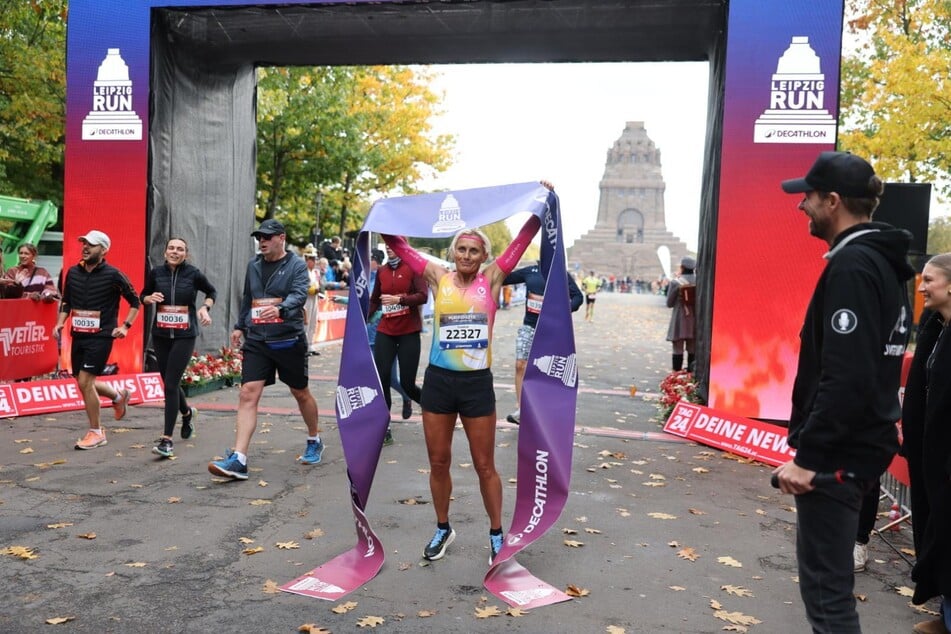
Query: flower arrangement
(676, 386)
(205, 368)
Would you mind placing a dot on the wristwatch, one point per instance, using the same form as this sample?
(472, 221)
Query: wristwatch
(127, 324)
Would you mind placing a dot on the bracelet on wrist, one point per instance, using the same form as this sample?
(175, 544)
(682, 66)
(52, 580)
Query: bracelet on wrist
(127, 324)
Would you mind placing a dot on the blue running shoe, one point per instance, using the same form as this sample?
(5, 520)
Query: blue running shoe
(229, 467)
(438, 544)
(313, 452)
(495, 545)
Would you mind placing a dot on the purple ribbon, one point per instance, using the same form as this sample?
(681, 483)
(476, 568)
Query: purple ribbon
(549, 392)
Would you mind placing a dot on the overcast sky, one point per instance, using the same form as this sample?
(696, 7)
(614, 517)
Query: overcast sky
(523, 122)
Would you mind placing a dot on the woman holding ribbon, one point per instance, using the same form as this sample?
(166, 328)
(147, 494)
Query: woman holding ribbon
(173, 289)
(458, 380)
(926, 443)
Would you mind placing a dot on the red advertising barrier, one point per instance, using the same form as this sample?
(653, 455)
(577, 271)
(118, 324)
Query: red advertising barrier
(26, 342)
(62, 395)
(331, 317)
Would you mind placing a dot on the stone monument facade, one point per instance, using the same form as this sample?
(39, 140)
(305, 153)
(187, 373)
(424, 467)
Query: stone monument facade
(631, 224)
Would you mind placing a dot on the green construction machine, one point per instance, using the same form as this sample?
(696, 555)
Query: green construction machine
(23, 220)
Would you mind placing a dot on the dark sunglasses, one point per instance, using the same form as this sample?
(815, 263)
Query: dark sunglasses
(261, 237)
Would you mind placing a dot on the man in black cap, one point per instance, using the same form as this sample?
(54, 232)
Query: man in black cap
(845, 397)
(271, 322)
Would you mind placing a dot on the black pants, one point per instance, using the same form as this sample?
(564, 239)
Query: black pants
(404, 348)
(173, 356)
(827, 521)
(869, 512)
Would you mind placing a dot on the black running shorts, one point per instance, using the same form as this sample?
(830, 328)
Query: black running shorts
(469, 394)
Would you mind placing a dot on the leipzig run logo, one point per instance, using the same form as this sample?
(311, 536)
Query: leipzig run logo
(112, 117)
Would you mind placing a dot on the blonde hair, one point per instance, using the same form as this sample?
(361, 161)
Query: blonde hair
(470, 233)
(943, 263)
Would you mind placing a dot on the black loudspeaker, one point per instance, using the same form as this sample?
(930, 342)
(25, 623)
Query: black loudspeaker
(906, 206)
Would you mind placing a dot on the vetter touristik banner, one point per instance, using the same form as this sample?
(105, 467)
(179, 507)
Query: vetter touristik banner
(27, 347)
(548, 394)
(780, 109)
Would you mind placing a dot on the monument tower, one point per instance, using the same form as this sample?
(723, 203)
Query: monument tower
(631, 224)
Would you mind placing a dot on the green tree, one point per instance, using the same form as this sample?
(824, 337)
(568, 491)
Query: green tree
(32, 97)
(896, 89)
(939, 235)
(343, 136)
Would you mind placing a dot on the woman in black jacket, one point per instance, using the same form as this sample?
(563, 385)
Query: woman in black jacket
(926, 428)
(173, 289)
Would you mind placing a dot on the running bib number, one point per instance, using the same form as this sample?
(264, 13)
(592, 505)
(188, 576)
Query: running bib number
(533, 303)
(394, 310)
(172, 317)
(86, 321)
(465, 330)
(258, 305)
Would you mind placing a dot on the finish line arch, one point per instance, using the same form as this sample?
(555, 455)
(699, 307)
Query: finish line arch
(160, 134)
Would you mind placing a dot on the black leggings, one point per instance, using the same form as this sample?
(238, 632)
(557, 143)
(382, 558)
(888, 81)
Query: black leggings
(173, 356)
(869, 512)
(406, 349)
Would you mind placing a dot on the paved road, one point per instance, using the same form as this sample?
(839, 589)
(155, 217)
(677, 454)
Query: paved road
(167, 554)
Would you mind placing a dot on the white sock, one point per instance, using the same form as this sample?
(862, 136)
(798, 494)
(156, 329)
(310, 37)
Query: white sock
(243, 459)
(314, 438)
(98, 430)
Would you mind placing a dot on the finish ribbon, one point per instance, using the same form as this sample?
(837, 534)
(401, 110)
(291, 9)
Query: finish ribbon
(548, 401)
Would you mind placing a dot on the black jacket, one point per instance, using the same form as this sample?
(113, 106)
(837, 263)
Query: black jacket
(845, 397)
(290, 282)
(99, 289)
(926, 427)
(531, 276)
(180, 286)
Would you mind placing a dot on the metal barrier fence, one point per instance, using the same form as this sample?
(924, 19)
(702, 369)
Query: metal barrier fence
(898, 495)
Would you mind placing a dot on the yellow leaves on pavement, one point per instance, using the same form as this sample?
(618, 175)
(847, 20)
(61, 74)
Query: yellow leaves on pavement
(569, 531)
(571, 543)
(343, 608)
(287, 545)
(700, 470)
(729, 561)
(259, 502)
(47, 465)
(905, 591)
(615, 629)
(21, 552)
(245, 540)
(253, 551)
(662, 516)
(137, 564)
(574, 591)
(487, 611)
(262, 483)
(370, 621)
(516, 612)
(310, 628)
(27, 450)
(688, 553)
(314, 534)
(592, 531)
(173, 500)
(737, 591)
(270, 587)
(59, 620)
(59, 525)
(425, 614)
(87, 535)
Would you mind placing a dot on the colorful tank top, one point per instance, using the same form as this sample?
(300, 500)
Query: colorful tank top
(462, 321)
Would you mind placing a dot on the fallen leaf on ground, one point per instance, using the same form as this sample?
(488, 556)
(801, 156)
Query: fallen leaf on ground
(370, 621)
(569, 531)
(287, 545)
(516, 612)
(623, 512)
(908, 551)
(861, 597)
(259, 502)
(677, 588)
(22, 552)
(253, 551)
(575, 591)
(245, 540)
(22, 440)
(27, 450)
(735, 628)
(700, 470)
(59, 620)
(614, 629)
(262, 483)
(487, 611)
(59, 525)
(737, 618)
(905, 591)
(729, 561)
(922, 609)
(310, 628)
(137, 564)
(662, 516)
(571, 543)
(592, 531)
(87, 535)
(673, 544)
(343, 608)
(270, 587)
(737, 591)
(174, 500)
(654, 484)
(688, 553)
(656, 476)
(314, 534)
(425, 614)
(697, 512)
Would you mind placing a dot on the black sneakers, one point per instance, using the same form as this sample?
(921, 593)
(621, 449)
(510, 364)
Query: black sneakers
(187, 423)
(164, 448)
(438, 544)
